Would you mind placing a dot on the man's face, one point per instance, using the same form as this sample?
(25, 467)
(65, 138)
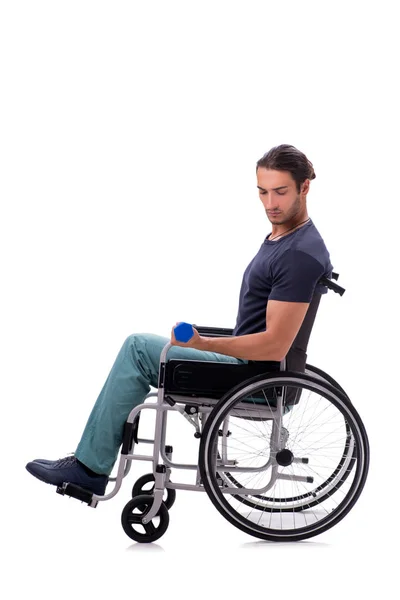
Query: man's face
(278, 193)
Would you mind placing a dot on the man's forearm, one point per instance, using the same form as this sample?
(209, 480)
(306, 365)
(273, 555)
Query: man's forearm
(255, 346)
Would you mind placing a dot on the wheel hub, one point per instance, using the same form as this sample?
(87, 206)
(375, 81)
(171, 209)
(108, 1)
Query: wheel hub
(284, 458)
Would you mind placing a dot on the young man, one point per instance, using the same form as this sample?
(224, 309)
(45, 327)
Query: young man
(277, 288)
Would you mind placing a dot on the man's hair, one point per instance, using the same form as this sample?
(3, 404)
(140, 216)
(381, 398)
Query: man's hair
(288, 158)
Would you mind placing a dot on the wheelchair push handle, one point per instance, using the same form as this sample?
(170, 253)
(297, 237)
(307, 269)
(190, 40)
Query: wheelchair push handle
(183, 332)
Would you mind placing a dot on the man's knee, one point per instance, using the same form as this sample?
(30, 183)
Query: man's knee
(142, 344)
(147, 339)
(134, 341)
(139, 339)
(131, 338)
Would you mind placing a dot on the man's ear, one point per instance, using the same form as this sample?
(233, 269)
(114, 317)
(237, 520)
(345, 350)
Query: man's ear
(305, 187)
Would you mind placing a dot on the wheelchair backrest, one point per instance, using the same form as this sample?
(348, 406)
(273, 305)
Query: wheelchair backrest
(296, 358)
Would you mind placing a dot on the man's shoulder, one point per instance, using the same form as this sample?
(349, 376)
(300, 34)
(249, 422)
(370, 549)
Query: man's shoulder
(312, 244)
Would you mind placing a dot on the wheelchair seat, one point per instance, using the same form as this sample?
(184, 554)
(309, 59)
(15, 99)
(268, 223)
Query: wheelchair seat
(210, 379)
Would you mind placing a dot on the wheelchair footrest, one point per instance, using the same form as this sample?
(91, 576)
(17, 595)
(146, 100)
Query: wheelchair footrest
(70, 489)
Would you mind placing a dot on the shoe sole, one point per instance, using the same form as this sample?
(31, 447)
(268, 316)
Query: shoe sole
(57, 485)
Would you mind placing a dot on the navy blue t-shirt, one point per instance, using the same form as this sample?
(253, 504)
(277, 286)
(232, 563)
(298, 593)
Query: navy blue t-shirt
(287, 269)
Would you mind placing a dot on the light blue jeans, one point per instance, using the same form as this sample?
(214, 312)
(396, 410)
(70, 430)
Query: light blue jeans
(135, 369)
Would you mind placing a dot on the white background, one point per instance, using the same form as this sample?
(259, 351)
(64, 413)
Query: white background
(129, 137)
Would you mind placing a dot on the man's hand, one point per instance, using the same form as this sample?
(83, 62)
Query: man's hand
(196, 341)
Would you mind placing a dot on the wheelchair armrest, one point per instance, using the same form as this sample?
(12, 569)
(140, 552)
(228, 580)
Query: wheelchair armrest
(213, 331)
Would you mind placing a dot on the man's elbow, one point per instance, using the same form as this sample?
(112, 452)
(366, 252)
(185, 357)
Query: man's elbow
(282, 351)
(280, 356)
(276, 352)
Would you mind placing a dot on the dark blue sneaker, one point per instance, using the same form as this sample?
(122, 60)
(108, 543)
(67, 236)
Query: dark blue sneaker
(68, 470)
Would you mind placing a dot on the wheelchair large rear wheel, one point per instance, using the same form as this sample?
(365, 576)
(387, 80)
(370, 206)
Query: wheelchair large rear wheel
(316, 494)
(320, 426)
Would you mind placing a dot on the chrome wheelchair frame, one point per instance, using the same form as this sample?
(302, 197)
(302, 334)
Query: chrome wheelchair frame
(230, 400)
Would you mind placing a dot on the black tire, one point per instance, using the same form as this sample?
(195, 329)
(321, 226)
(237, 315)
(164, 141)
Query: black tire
(137, 489)
(328, 378)
(129, 519)
(231, 399)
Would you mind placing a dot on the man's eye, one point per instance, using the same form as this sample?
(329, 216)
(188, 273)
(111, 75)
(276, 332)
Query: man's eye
(280, 193)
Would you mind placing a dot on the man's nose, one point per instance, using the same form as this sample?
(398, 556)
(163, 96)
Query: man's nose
(271, 206)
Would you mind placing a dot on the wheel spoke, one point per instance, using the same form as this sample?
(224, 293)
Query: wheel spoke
(135, 519)
(149, 527)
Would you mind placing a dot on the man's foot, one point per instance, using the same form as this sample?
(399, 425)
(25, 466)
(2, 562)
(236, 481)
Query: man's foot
(68, 470)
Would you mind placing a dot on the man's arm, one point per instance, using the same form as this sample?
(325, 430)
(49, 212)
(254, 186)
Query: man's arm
(255, 346)
(283, 320)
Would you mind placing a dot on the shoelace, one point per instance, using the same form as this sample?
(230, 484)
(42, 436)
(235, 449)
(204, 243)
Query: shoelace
(66, 462)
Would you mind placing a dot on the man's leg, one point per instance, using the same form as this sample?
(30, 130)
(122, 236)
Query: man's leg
(136, 368)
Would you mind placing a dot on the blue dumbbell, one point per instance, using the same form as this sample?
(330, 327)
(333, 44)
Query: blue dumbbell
(183, 332)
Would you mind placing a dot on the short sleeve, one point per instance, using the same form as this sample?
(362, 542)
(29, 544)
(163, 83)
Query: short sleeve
(295, 275)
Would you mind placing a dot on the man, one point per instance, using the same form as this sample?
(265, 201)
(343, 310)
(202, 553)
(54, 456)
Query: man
(277, 288)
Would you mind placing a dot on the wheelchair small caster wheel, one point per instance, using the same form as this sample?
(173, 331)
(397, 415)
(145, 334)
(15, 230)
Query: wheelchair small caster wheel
(133, 513)
(139, 488)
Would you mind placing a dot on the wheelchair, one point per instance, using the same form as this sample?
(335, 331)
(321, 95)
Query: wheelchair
(283, 454)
